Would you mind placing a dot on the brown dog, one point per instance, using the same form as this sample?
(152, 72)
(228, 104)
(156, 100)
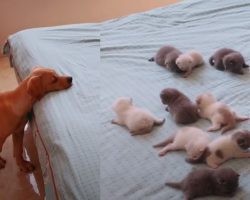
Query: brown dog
(180, 106)
(15, 105)
(229, 60)
(166, 57)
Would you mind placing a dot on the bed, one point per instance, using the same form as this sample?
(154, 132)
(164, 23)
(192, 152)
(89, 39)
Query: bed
(83, 155)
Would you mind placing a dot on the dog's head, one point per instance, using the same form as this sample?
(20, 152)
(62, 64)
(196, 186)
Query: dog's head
(122, 103)
(234, 62)
(242, 138)
(184, 62)
(169, 95)
(205, 99)
(43, 80)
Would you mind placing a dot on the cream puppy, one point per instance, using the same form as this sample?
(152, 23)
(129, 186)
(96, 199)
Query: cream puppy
(224, 148)
(221, 116)
(188, 61)
(137, 120)
(191, 139)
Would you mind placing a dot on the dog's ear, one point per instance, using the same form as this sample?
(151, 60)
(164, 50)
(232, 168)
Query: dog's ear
(35, 87)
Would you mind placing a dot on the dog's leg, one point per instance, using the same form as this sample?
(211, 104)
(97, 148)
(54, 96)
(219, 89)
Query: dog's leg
(117, 121)
(240, 118)
(165, 142)
(170, 147)
(17, 138)
(2, 161)
(215, 125)
(187, 73)
(243, 155)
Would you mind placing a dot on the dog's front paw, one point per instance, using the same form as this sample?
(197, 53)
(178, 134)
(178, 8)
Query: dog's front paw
(2, 163)
(26, 166)
(213, 165)
(161, 154)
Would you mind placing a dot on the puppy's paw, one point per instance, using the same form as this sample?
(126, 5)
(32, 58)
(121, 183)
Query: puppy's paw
(212, 129)
(26, 166)
(213, 165)
(161, 154)
(114, 121)
(2, 163)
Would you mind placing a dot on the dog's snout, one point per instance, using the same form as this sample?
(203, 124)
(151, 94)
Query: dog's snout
(69, 79)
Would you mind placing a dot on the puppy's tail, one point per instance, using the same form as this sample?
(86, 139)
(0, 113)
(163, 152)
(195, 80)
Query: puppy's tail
(174, 185)
(151, 59)
(228, 118)
(158, 122)
(211, 60)
(165, 142)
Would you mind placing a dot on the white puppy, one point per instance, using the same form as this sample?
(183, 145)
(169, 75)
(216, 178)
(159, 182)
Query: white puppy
(218, 113)
(226, 147)
(191, 139)
(137, 120)
(188, 61)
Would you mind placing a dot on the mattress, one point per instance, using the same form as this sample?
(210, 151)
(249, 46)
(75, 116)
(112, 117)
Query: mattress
(89, 157)
(65, 135)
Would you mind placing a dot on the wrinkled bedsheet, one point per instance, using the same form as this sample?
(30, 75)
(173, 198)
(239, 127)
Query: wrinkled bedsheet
(92, 158)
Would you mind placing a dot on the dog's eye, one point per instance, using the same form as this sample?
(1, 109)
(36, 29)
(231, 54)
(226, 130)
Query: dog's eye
(54, 79)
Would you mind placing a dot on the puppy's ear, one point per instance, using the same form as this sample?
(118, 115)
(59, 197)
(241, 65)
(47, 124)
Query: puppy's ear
(35, 87)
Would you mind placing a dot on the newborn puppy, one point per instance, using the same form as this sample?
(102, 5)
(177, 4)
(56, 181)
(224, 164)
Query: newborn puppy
(137, 120)
(206, 182)
(229, 60)
(221, 116)
(188, 61)
(225, 148)
(166, 56)
(191, 139)
(179, 106)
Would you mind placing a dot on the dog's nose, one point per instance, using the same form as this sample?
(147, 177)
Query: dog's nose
(69, 79)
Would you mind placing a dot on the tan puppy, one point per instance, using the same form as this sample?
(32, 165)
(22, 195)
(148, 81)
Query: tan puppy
(191, 139)
(15, 105)
(188, 61)
(225, 148)
(221, 116)
(137, 120)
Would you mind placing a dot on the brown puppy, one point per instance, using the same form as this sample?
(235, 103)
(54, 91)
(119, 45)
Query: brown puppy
(180, 106)
(229, 60)
(166, 57)
(225, 148)
(206, 182)
(15, 105)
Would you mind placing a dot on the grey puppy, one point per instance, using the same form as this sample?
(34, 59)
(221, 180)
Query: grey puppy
(182, 109)
(166, 57)
(206, 182)
(229, 60)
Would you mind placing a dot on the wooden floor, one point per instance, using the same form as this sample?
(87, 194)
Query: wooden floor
(16, 185)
